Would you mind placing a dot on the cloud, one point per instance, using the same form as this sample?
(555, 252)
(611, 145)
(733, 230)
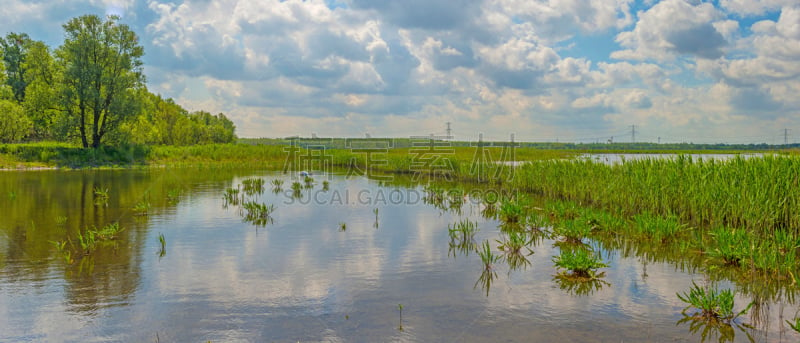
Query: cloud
(673, 28)
(398, 68)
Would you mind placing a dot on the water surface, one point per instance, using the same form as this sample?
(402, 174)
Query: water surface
(302, 278)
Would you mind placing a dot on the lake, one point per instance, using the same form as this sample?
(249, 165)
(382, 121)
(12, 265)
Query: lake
(304, 276)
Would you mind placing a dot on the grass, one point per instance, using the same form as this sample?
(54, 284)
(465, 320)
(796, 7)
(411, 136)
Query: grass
(163, 242)
(257, 213)
(579, 264)
(487, 256)
(253, 186)
(141, 208)
(462, 236)
(710, 303)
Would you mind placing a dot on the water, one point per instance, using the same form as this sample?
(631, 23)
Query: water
(300, 278)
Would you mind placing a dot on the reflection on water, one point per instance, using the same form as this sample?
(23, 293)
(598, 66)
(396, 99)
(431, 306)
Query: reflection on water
(298, 278)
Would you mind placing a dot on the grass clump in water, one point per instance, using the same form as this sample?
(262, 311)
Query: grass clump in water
(462, 236)
(579, 264)
(711, 304)
(257, 213)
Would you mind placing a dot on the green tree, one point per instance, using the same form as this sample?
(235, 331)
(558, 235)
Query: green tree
(15, 49)
(14, 125)
(102, 72)
(44, 78)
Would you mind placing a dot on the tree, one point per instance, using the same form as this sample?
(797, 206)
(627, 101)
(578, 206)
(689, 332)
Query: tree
(102, 72)
(43, 76)
(14, 125)
(15, 49)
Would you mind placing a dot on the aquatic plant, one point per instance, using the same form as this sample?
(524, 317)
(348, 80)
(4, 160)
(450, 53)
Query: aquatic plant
(514, 242)
(579, 264)
(325, 185)
(462, 237)
(231, 196)
(579, 287)
(400, 307)
(297, 186)
(100, 196)
(711, 303)
(487, 256)
(61, 220)
(573, 231)
(253, 186)
(87, 241)
(731, 245)
(163, 241)
(257, 213)
(463, 231)
(308, 181)
(173, 195)
(795, 324)
(342, 226)
(511, 212)
(141, 208)
(277, 183)
(659, 228)
(108, 232)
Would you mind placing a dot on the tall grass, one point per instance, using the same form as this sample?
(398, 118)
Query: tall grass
(760, 194)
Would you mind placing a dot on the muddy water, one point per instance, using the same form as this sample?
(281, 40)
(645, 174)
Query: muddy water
(302, 278)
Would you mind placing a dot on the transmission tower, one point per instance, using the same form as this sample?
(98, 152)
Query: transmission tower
(633, 133)
(449, 131)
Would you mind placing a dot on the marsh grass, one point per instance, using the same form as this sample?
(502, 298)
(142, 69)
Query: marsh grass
(61, 220)
(573, 231)
(253, 186)
(141, 208)
(462, 237)
(579, 287)
(732, 246)
(162, 251)
(659, 228)
(579, 264)
(258, 214)
(231, 197)
(100, 196)
(711, 303)
(511, 211)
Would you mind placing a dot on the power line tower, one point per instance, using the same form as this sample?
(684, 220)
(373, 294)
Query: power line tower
(449, 131)
(785, 136)
(633, 133)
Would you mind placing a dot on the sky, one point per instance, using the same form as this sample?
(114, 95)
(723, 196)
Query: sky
(725, 71)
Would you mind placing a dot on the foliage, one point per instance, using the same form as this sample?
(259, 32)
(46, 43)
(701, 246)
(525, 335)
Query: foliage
(581, 264)
(14, 124)
(712, 303)
(91, 91)
(103, 69)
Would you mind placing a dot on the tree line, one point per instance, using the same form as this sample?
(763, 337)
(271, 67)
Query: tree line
(91, 91)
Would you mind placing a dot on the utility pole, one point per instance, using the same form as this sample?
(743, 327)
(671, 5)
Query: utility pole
(633, 133)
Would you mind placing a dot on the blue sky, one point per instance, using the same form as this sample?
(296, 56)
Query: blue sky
(566, 70)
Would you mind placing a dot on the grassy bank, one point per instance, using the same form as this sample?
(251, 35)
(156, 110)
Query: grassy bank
(399, 160)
